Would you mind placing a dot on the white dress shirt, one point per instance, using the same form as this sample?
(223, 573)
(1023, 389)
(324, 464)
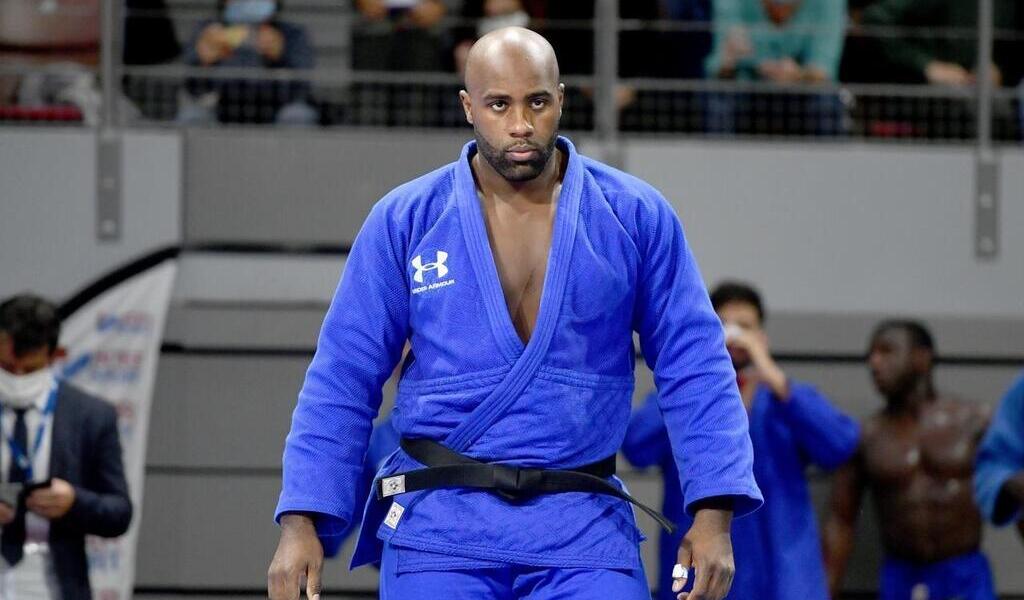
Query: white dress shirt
(34, 577)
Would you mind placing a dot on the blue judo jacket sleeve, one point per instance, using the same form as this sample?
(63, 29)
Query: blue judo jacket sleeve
(825, 435)
(1000, 456)
(646, 443)
(360, 343)
(683, 343)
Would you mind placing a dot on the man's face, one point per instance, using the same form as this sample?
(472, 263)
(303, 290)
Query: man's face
(891, 360)
(27, 362)
(780, 11)
(743, 317)
(514, 109)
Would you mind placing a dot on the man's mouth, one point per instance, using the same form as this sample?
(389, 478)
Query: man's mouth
(521, 153)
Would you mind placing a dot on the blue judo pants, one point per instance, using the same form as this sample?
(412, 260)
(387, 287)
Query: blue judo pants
(504, 581)
(965, 577)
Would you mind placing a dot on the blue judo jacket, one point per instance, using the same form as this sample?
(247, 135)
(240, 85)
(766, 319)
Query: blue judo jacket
(422, 269)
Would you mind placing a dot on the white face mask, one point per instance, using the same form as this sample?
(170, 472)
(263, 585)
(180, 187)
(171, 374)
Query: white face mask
(486, 25)
(22, 391)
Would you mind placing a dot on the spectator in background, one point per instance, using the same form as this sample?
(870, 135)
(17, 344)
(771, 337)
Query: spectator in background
(787, 42)
(917, 457)
(777, 549)
(999, 473)
(930, 52)
(678, 53)
(927, 54)
(67, 480)
(248, 33)
(149, 39)
(400, 36)
(687, 49)
(489, 15)
(569, 28)
(62, 36)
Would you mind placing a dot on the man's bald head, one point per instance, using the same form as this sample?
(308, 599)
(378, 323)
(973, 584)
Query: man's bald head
(514, 101)
(510, 52)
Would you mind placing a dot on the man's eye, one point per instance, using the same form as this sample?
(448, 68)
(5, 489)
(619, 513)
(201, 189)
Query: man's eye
(540, 103)
(498, 105)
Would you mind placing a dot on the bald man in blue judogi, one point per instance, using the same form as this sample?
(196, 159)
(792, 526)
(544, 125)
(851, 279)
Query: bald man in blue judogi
(521, 355)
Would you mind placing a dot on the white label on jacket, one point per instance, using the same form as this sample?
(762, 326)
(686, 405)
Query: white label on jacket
(394, 515)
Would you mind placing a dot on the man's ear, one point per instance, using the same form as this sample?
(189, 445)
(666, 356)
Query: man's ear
(467, 105)
(58, 354)
(922, 359)
(561, 98)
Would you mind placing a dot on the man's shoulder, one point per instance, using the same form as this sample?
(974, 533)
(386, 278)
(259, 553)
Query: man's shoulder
(636, 204)
(84, 402)
(423, 192)
(620, 185)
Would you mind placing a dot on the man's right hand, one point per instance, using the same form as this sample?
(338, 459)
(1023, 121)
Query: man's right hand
(944, 73)
(7, 513)
(298, 561)
(1014, 486)
(213, 45)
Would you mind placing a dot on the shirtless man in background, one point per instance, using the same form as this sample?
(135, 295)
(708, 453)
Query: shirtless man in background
(917, 457)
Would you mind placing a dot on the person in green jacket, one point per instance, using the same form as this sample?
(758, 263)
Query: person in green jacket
(786, 42)
(936, 43)
(937, 51)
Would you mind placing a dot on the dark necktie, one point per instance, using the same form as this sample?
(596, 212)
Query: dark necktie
(12, 539)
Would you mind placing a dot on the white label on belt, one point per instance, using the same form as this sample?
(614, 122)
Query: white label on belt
(392, 486)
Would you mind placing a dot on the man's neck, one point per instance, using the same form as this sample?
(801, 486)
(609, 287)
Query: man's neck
(748, 380)
(538, 190)
(911, 402)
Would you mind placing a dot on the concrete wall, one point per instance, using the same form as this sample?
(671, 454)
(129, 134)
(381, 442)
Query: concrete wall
(48, 239)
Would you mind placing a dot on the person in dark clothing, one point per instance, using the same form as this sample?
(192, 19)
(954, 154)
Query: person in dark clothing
(248, 33)
(70, 482)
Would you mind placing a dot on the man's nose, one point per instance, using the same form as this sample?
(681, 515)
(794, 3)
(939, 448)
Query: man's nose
(522, 123)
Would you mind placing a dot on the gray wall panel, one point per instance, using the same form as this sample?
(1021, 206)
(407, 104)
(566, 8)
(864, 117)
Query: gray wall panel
(223, 411)
(299, 187)
(48, 206)
(233, 326)
(217, 532)
(863, 228)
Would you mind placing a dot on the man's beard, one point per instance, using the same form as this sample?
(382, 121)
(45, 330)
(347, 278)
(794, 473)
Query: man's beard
(516, 171)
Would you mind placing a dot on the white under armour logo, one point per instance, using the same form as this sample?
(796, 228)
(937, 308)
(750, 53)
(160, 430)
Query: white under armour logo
(438, 264)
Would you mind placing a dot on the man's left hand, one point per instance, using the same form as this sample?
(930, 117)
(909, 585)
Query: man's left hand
(52, 502)
(707, 547)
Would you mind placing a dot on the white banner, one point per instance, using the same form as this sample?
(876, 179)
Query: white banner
(113, 343)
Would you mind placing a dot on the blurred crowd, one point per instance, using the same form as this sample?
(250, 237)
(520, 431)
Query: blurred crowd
(785, 57)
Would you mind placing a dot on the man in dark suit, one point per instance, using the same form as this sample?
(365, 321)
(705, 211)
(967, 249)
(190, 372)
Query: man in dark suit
(62, 448)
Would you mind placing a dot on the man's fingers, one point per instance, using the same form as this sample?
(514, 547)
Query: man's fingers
(701, 583)
(313, 582)
(283, 582)
(713, 581)
(684, 558)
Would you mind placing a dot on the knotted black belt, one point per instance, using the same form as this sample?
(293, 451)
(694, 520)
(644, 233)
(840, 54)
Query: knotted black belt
(447, 469)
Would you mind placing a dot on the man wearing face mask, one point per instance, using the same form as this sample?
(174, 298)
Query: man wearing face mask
(61, 462)
(249, 34)
(777, 549)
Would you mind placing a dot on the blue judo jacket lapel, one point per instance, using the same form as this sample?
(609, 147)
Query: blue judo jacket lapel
(526, 362)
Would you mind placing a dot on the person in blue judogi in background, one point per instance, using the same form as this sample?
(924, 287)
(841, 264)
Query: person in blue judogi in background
(999, 473)
(792, 425)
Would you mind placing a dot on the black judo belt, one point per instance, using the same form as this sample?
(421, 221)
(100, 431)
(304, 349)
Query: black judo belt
(449, 469)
